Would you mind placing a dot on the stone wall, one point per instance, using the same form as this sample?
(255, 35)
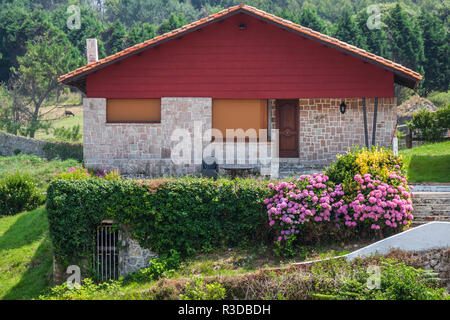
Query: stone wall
(10, 142)
(135, 148)
(132, 256)
(141, 148)
(325, 132)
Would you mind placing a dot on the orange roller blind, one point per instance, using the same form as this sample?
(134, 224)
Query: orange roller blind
(239, 114)
(133, 110)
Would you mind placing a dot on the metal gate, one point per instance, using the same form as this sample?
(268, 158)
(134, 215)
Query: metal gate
(106, 257)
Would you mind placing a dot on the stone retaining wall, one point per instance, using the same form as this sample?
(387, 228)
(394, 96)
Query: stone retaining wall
(9, 143)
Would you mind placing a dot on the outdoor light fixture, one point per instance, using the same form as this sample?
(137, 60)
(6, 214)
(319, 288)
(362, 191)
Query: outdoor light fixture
(242, 26)
(343, 107)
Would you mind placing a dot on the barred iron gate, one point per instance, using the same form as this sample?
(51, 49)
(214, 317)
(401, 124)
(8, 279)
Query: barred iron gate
(106, 257)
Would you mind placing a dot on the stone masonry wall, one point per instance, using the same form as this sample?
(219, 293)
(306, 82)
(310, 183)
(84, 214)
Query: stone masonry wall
(10, 142)
(136, 148)
(141, 148)
(132, 256)
(325, 132)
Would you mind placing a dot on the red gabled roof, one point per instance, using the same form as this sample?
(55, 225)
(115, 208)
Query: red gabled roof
(403, 75)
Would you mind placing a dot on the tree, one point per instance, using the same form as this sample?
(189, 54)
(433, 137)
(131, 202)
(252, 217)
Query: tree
(91, 27)
(437, 53)
(346, 29)
(404, 39)
(35, 80)
(17, 26)
(375, 39)
(309, 18)
(175, 21)
(115, 37)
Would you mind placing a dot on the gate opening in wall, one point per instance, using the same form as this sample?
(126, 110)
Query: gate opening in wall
(106, 255)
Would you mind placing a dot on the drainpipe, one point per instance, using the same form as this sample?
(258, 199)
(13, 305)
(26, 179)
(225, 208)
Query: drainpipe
(374, 128)
(366, 136)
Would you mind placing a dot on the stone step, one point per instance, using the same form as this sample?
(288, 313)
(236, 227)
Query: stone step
(432, 195)
(437, 206)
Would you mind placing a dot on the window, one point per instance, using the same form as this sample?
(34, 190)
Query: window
(133, 110)
(239, 114)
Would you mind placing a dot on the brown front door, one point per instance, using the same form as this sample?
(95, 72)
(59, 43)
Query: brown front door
(287, 115)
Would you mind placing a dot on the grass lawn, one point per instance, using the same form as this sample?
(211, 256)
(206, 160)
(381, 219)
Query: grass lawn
(25, 255)
(428, 163)
(67, 122)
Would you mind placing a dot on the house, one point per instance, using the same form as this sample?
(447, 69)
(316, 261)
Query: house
(307, 96)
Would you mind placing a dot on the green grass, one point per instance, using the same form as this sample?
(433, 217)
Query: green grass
(428, 163)
(41, 169)
(25, 255)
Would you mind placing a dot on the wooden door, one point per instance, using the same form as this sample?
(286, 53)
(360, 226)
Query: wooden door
(287, 115)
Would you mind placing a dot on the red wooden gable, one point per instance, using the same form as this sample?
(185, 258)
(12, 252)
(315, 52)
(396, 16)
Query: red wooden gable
(223, 61)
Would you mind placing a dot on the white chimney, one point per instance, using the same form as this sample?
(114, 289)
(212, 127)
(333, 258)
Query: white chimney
(91, 50)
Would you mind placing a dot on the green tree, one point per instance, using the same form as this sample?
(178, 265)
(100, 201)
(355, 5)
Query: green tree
(375, 39)
(346, 29)
(437, 53)
(308, 18)
(404, 39)
(35, 80)
(17, 26)
(91, 27)
(115, 37)
(175, 21)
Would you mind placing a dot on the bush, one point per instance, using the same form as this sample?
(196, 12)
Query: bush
(18, 192)
(198, 290)
(157, 268)
(88, 290)
(187, 215)
(68, 134)
(375, 160)
(73, 173)
(63, 150)
(397, 281)
(440, 99)
(430, 126)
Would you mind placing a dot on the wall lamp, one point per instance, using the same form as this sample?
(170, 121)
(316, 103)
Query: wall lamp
(343, 107)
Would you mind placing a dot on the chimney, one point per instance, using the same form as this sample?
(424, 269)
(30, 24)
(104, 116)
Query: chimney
(91, 50)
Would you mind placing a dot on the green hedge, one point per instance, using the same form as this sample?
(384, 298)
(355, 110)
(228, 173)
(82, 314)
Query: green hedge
(63, 150)
(187, 215)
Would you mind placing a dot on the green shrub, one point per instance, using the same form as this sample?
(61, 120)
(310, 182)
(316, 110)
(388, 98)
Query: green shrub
(88, 290)
(430, 126)
(68, 134)
(342, 280)
(198, 290)
(375, 160)
(187, 215)
(157, 267)
(63, 150)
(73, 173)
(440, 99)
(18, 192)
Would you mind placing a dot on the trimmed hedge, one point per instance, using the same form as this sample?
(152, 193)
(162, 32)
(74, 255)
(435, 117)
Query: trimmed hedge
(187, 215)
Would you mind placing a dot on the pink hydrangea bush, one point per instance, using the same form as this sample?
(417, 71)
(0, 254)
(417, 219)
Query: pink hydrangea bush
(310, 199)
(378, 204)
(316, 201)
